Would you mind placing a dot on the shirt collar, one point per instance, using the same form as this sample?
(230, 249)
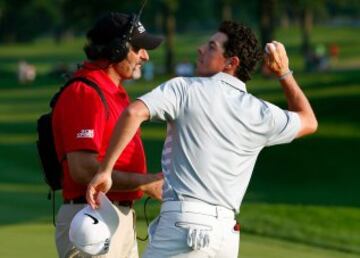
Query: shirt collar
(231, 80)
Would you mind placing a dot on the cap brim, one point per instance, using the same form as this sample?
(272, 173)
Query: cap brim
(147, 41)
(108, 213)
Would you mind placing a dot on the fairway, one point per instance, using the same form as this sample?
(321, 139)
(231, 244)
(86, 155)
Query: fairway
(251, 246)
(303, 200)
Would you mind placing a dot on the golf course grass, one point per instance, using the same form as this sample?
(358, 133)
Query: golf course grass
(303, 200)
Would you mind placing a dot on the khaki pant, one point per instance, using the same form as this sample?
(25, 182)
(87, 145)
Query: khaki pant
(123, 243)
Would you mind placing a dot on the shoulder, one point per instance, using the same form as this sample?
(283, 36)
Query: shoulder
(78, 93)
(80, 88)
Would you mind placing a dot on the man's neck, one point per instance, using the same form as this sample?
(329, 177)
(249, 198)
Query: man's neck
(113, 75)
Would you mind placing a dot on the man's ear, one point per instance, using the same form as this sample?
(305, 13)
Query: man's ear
(232, 62)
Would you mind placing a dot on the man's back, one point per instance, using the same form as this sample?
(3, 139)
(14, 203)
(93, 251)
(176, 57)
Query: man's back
(216, 131)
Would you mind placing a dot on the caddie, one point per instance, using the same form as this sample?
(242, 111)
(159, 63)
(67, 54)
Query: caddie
(83, 122)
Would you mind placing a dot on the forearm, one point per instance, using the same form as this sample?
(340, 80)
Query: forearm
(298, 102)
(295, 97)
(124, 131)
(83, 166)
(124, 181)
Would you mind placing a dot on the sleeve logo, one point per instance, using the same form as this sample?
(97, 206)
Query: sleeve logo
(85, 133)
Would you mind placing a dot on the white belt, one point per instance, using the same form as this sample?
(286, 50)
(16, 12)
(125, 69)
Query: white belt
(197, 207)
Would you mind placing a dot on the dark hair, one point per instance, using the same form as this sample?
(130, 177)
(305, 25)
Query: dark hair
(242, 43)
(94, 52)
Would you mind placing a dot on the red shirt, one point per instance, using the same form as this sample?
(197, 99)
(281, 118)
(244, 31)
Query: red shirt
(80, 123)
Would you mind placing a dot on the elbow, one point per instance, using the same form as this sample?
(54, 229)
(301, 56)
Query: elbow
(132, 112)
(311, 127)
(314, 126)
(81, 178)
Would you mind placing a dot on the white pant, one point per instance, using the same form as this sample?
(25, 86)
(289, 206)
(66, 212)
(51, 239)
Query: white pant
(193, 229)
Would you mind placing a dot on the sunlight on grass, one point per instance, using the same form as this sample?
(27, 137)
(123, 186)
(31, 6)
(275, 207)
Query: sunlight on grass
(17, 138)
(23, 188)
(314, 93)
(27, 117)
(338, 130)
(26, 93)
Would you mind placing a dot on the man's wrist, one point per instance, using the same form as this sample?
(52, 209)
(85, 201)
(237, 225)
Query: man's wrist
(285, 75)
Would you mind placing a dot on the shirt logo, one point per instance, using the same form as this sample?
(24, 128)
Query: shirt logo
(96, 221)
(85, 133)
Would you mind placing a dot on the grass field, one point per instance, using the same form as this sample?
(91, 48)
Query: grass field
(303, 200)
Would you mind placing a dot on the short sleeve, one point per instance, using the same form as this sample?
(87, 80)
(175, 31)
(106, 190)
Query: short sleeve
(285, 125)
(165, 101)
(82, 118)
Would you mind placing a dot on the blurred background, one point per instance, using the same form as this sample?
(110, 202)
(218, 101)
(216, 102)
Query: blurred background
(303, 200)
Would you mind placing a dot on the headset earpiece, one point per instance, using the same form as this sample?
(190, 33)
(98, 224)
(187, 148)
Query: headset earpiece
(118, 49)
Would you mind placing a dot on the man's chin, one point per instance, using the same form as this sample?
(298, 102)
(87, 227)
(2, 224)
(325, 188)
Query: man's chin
(136, 74)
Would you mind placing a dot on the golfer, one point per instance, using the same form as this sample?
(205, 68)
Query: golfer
(216, 130)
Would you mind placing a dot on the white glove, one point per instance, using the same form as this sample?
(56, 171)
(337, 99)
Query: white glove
(198, 238)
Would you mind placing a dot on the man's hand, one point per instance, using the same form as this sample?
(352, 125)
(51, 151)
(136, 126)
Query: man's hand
(102, 182)
(276, 58)
(154, 187)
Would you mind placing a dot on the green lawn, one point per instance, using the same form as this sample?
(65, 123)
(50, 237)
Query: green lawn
(37, 241)
(303, 199)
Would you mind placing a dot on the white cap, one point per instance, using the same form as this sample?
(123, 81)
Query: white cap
(91, 230)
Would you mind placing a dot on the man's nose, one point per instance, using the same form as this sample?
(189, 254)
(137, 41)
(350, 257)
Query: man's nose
(200, 49)
(144, 55)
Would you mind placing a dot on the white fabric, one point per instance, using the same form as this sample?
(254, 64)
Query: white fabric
(215, 132)
(183, 230)
(198, 207)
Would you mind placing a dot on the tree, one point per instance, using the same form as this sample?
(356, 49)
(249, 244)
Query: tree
(169, 9)
(22, 20)
(226, 10)
(267, 20)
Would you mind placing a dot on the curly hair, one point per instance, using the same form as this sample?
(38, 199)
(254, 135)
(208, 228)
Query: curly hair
(242, 43)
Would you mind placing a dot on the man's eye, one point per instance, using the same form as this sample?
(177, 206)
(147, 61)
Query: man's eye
(211, 47)
(136, 49)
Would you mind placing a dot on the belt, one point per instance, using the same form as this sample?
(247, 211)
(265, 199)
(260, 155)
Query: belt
(82, 200)
(197, 207)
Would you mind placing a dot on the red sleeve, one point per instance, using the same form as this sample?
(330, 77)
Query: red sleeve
(82, 118)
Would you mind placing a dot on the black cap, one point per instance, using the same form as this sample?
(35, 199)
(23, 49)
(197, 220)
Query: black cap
(115, 25)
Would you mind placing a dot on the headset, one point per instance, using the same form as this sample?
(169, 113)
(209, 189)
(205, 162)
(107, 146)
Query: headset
(118, 49)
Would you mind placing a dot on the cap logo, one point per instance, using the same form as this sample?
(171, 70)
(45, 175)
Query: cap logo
(96, 221)
(140, 27)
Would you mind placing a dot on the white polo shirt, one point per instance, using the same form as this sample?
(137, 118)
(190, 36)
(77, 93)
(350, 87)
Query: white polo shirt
(216, 130)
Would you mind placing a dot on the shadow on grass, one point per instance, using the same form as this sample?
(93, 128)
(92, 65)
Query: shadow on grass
(318, 171)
